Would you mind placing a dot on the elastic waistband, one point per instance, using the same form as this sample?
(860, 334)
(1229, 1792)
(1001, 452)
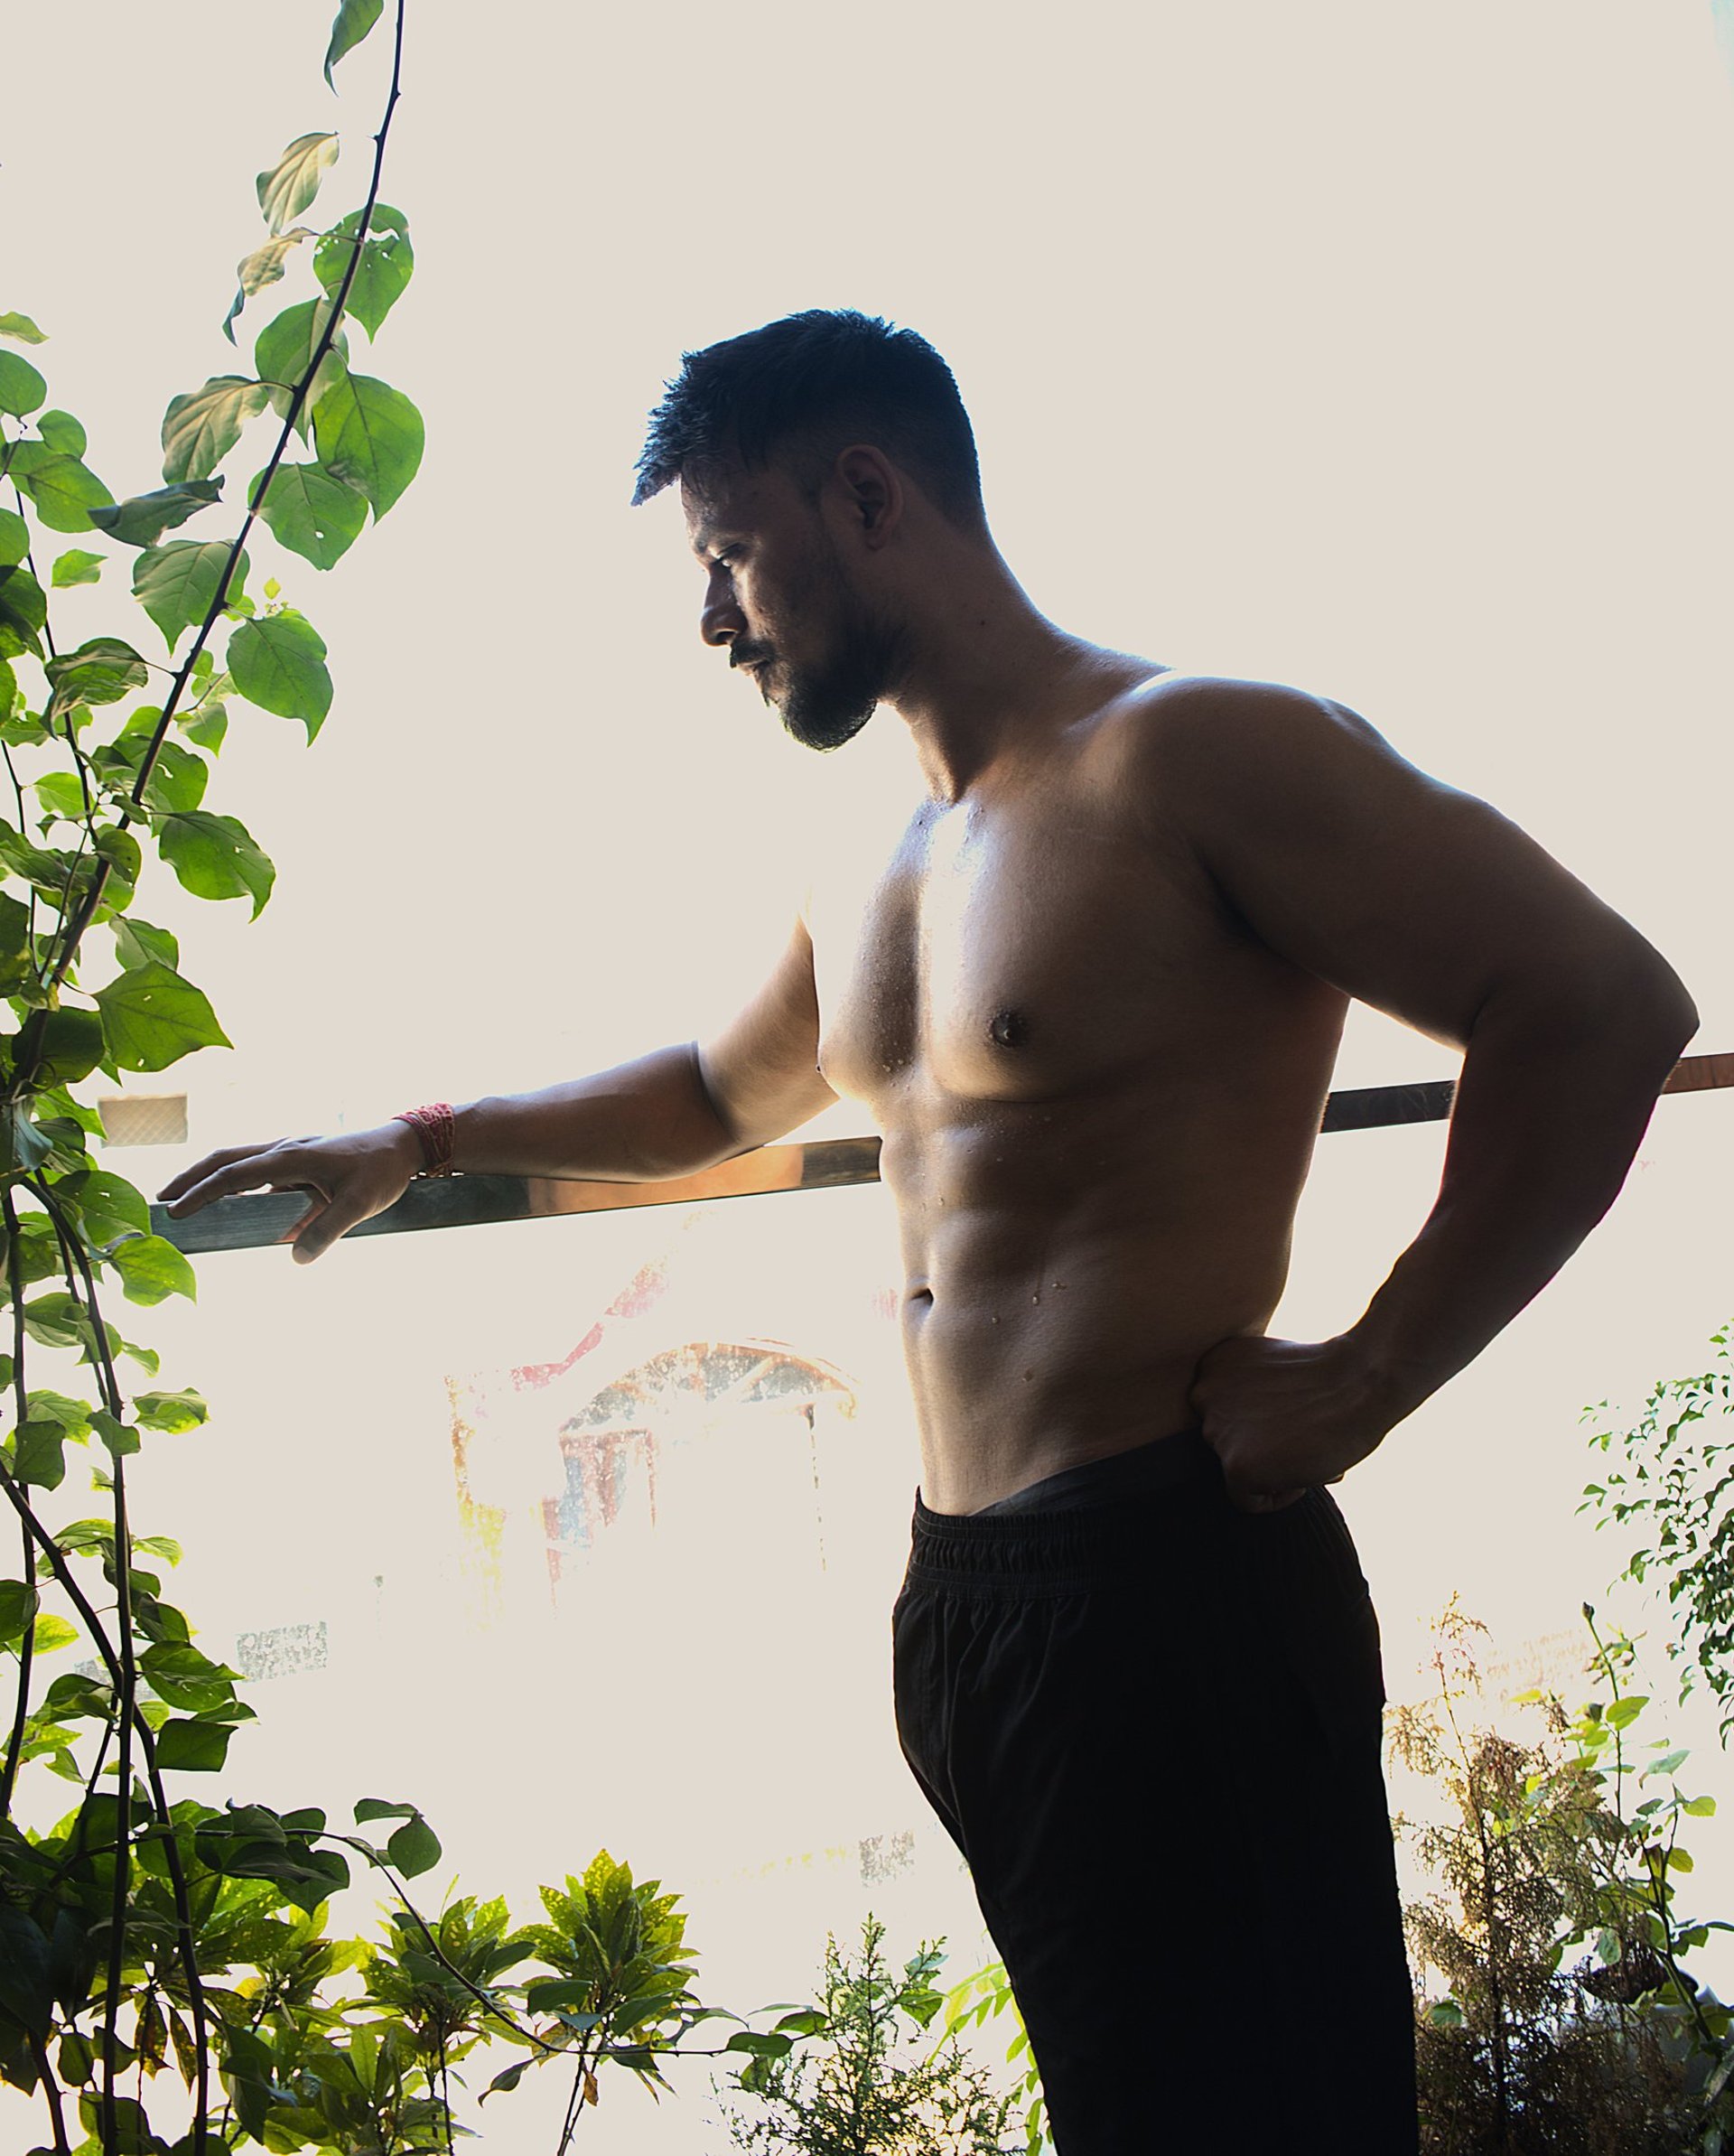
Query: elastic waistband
(1178, 1496)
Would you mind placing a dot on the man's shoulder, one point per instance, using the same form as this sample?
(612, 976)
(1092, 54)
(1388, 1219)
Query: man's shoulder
(1178, 722)
(1173, 700)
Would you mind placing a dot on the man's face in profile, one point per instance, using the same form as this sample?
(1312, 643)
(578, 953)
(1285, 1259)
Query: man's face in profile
(778, 600)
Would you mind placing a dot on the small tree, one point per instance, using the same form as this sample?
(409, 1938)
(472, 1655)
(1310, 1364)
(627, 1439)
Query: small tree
(865, 2081)
(1545, 1850)
(1671, 1482)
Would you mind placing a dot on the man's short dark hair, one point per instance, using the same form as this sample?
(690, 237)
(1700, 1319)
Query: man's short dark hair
(809, 386)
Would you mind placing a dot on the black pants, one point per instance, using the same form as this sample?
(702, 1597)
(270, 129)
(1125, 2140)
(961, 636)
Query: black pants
(1151, 1724)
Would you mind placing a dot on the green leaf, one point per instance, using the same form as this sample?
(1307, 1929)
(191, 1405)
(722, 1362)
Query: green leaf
(21, 1145)
(215, 857)
(263, 266)
(193, 1747)
(375, 1807)
(100, 671)
(15, 539)
(207, 726)
(106, 1204)
(176, 583)
(18, 1604)
(117, 1436)
(21, 328)
(354, 19)
(72, 1045)
(292, 184)
(15, 945)
(186, 1678)
(285, 353)
(50, 1633)
(555, 1994)
(39, 1448)
(76, 566)
(136, 940)
(150, 1270)
(414, 1848)
(121, 851)
(1622, 1713)
(278, 662)
(312, 513)
(387, 264)
(49, 871)
(22, 389)
(1702, 1807)
(142, 518)
(72, 1416)
(177, 782)
(200, 428)
(62, 433)
(66, 495)
(175, 1412)
(24, 609)
(370, 434)
(26, 1989)
(61, 793)
(151, 1017)
(207, 720)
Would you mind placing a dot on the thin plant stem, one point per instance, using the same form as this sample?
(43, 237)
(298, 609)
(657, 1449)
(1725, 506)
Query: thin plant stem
(75, 1254)
(15, 1282)
(21, 1713)
(52, 2096)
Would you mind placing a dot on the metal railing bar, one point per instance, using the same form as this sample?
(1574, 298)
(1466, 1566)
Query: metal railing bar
(253, 1222)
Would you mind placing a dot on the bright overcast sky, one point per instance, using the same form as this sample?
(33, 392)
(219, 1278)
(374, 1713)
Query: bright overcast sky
(1381, 349)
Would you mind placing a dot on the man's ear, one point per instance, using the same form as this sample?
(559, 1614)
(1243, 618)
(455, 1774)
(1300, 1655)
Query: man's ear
(872, 493)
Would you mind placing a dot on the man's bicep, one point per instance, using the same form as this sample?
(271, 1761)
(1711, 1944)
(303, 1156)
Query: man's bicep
(1402, 891)
(761, 1071)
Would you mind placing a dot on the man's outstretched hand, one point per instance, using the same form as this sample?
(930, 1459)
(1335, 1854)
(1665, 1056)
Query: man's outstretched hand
(1284, 1416)
(348, 1180)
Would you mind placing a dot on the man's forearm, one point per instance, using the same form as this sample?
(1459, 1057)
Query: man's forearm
(1551, 1109)
(646, 1120)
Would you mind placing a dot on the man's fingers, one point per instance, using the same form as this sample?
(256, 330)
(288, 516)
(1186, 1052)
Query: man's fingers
(316, 1205)
(1260, 1500)
(177, 1185)
(272, 1170)
(318, 1230)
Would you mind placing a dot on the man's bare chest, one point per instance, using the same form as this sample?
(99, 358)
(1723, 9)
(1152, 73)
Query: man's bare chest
(1012, 953)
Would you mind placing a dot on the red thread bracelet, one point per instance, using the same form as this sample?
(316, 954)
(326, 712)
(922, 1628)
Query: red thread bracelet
(433, 1125)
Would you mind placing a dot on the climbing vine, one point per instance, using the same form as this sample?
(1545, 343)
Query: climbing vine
(162, 1957)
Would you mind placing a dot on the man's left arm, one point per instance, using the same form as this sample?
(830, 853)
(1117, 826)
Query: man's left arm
(1428, 905)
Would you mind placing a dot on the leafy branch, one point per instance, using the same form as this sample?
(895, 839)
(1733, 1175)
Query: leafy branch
(136, 1932)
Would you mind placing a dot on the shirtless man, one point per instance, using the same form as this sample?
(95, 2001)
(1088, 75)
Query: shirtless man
(1090, 994)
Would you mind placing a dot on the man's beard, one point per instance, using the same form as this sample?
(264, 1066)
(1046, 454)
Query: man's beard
(828, 702)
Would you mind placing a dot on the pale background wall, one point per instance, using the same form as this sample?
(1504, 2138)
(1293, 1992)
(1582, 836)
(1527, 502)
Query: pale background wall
(1372, 348)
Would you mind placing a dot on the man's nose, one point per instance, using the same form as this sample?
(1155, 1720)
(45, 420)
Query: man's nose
(721, 621)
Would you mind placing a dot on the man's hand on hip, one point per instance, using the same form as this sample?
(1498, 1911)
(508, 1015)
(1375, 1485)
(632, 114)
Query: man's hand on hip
(1284, 1416)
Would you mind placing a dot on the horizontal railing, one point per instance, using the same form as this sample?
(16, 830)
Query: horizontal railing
(252, 1222)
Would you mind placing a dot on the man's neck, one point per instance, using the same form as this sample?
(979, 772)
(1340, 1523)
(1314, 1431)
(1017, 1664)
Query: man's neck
(988, 675)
